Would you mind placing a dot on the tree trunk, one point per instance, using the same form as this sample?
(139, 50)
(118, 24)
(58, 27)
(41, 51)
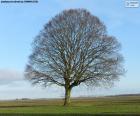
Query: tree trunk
(67, 96)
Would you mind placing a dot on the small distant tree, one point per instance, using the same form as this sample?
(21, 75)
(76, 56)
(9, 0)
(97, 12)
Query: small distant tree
(74, 48)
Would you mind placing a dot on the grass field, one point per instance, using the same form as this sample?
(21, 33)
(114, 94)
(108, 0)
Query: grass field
(82, 106)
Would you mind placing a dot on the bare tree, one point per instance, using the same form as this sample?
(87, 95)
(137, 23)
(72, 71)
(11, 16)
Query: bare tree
(74, 48)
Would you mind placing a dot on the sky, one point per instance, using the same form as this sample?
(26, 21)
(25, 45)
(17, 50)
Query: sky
(20, 23)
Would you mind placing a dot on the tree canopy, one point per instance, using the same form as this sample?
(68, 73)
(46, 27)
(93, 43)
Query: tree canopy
(74, 48)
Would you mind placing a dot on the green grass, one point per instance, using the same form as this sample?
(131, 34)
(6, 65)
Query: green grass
(104, 105)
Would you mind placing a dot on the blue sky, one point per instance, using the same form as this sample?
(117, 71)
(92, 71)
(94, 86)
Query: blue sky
(20, 23)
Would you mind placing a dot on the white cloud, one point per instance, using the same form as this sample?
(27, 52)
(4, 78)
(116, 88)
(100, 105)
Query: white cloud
(13, 85)
(9, 76)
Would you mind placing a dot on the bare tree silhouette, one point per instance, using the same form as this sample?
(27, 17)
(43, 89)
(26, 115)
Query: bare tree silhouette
(74, 48)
